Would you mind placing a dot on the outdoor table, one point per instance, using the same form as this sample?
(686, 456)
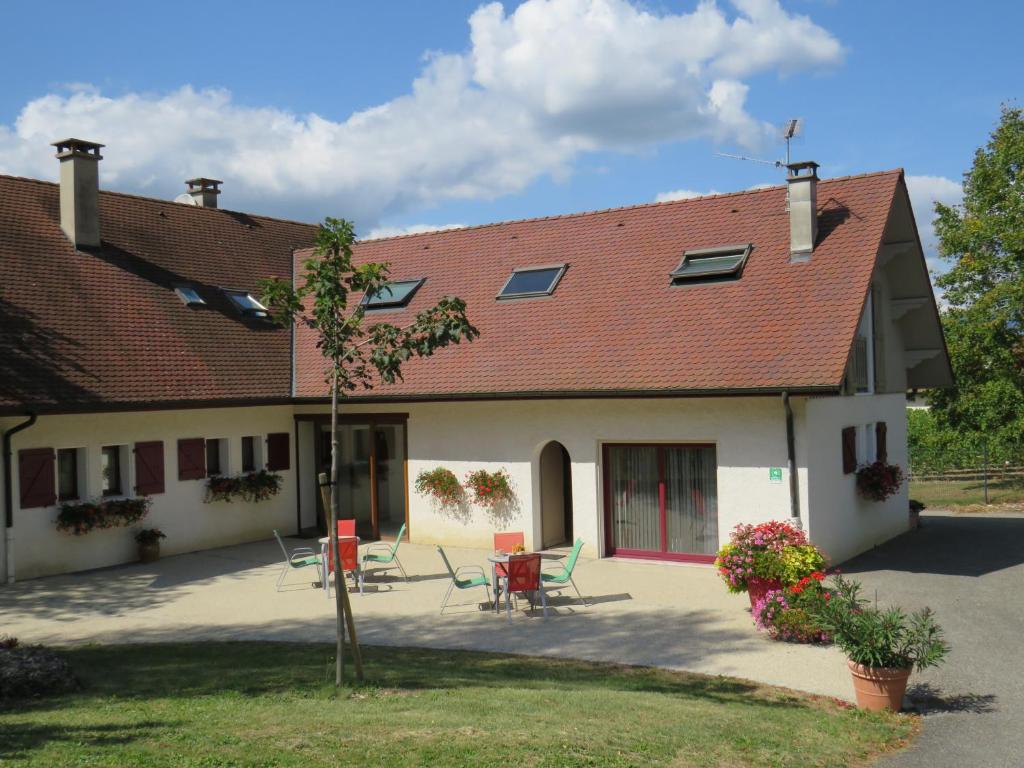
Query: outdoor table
(494, 558)
(325, 542)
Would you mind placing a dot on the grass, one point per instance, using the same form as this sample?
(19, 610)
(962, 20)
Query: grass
(945, 494)
(267, 704)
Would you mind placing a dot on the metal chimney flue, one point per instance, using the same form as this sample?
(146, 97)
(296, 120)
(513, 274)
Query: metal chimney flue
(80, 191)
(204, 191)
(803, 209)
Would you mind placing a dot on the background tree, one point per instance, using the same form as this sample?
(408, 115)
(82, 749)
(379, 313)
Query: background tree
(357, 353)
(984, 289)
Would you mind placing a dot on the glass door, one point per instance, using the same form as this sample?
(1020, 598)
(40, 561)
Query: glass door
(389, 476)
(661, 501)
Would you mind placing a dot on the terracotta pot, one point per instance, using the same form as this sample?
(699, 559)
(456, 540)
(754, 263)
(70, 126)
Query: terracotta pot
(879, 688)
(149, 553)
(915, 519)
(758, 588)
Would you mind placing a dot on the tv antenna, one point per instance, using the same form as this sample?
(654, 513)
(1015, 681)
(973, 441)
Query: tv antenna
(793, 127)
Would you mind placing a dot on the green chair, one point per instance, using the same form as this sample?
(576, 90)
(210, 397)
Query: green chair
(462, 580)
(303, 557)
(564, 575)
(383, 554)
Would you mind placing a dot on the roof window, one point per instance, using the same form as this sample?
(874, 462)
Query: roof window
(707, 264)
(397, 293)
(532, 281)
(246, 305)
(189, 296)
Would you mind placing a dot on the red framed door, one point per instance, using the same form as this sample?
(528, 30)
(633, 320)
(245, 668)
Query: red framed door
(661, 501)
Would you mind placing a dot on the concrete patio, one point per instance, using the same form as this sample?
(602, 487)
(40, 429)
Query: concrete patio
(667, 615)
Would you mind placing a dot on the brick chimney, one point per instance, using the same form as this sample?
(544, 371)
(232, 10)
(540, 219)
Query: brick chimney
(803, 209)
(80, 191)
(204, 191)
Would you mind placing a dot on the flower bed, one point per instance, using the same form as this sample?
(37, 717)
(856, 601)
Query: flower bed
(441, 484)
(770, 551)
(79, 518)
(788, 614)
(489, 489)
(28, 672)
(879, 481)
(252, 486)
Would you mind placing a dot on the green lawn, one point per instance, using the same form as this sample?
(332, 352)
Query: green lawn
(942, 494)
(266, 704)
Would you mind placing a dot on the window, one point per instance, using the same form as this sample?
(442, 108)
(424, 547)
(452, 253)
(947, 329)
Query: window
(189, 296)
(532, 281)
(246, 305)
(214, 458)
(251, 459)
(110, 467)
(712, 264)
(867, 444)
(863, 363)
(394, 294)
(67, 474)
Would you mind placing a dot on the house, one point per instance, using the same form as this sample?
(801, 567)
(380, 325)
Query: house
(648, 377)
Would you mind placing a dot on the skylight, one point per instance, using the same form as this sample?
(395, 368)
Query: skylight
(532, 281)
(397, 293)
(246, 304)
(709, 263)
(189, 296)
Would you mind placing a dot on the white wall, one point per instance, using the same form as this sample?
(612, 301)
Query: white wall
(190, 524)
(841, 521)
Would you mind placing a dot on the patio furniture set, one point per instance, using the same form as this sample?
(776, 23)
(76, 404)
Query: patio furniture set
(513, 571)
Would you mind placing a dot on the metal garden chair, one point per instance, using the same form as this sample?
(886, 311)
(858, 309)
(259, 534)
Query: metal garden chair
(384, 554)
(299, 558)
(461, 579)
(563, 576)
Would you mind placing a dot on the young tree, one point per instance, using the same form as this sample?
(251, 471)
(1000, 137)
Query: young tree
(357, 353)
(984, 322)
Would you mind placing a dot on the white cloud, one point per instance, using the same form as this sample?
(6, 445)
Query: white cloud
(539, 86)
(925, 191)
(412, 229)
(682, 194)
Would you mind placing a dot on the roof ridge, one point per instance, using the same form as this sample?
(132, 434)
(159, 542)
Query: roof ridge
(147, 199)
(614, 209)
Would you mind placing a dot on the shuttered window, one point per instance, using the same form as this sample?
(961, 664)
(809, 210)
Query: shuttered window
(112, 470)
(191, 458)
(214, 463)
(67, 474)
(149, 468)
(36, 477)
(849, 450)
(881, 449)
(278, 455)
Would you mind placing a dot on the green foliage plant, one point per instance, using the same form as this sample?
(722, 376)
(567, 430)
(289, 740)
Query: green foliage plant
(441, 484)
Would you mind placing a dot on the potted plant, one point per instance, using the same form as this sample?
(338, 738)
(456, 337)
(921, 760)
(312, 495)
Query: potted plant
(916, 508)
(148, 540)
(882, 646)
(788, 614)
(490, 489)
(878, 481)
(766, 556)
(441, 484)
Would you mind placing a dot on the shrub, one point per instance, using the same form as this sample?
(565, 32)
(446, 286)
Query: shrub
(879, 481)
(775, 551)
(489, 488)
(441, 484)
(32, 671)
(252, 486)
(788, 614)
(150, 536)
(877, 637)
(79, 518)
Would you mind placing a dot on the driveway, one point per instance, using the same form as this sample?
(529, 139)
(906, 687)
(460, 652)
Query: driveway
(970, 570)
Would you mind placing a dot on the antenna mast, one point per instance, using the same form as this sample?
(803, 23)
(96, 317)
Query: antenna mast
(792, 128)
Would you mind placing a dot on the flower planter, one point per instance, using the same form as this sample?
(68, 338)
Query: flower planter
(149, 552)
(758, 588)
(878, 688)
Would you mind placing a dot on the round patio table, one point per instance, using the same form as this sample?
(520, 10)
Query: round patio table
(494, 558)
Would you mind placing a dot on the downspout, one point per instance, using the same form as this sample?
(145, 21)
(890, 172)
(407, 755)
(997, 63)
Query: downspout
(794, 483)
(8, 536)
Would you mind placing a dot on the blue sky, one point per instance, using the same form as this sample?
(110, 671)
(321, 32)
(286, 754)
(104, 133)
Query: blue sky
(309, 109)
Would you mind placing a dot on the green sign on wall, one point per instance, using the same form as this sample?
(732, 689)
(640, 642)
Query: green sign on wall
(774, 474)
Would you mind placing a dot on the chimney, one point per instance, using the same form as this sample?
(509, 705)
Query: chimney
(803, 209)
(80, 191)
(204, 191)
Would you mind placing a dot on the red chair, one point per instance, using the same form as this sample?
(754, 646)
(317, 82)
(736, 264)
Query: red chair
(348, 553)
(346, 528)
(507, 541)
(524, 576)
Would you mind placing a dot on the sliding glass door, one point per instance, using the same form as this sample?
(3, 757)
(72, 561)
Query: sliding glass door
(661, 501)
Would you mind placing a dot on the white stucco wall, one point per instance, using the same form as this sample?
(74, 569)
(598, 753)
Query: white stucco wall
(190, 524)
(842, 522)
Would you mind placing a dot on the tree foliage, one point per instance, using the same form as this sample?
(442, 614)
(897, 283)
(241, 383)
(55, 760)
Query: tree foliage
(984, 322)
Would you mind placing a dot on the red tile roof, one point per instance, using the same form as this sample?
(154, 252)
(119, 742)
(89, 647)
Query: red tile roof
(81, 330)
(614, 324)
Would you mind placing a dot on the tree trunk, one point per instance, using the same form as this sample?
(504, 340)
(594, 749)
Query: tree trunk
(340, 588)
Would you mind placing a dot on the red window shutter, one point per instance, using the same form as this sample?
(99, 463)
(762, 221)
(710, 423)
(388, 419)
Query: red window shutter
(149, 468)
(37, 477)
(881, 449)
(278, 455)
(849, 450)
(191, 458)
